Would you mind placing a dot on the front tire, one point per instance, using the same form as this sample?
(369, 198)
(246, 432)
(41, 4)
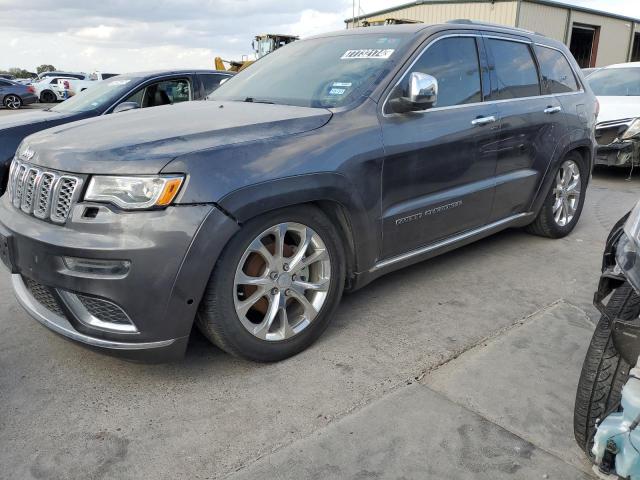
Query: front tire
(12, 102)
(563, 205)
(604, 372)
(276, 285)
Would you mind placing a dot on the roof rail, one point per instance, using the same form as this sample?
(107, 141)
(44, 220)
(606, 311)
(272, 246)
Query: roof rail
(466, 21)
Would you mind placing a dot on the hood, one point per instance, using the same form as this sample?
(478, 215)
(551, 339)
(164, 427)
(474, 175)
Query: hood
(143, 141)
(618, 108)
(27, 118)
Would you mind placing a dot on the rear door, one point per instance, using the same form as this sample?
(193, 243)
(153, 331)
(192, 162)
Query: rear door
(531, 124)
(560, 80)
(437, 177)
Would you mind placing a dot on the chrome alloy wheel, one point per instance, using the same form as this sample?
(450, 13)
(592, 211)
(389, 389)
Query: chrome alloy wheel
(12, 102)
(567, 193)
(282, 281)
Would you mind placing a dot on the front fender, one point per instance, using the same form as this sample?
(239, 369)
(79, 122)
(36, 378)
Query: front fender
(251, 201)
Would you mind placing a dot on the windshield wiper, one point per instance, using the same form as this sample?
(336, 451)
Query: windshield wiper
(255, 100)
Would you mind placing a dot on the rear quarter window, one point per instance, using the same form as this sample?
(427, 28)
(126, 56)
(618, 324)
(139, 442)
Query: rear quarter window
(557, 75)
(515, 74)
(211, 81)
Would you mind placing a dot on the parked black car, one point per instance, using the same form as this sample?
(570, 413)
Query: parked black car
(14, 95)
(124, 92)
(252, 212)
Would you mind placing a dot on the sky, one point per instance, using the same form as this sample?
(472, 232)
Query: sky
(119, 36)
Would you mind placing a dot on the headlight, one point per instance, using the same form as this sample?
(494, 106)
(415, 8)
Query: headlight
(633, 130)
(627, 257)
(134, 193)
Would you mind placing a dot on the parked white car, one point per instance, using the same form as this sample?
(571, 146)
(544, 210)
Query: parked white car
(618, 130)
(52, 89)
(77, 86)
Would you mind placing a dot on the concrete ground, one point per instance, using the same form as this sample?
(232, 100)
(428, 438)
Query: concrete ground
(464, 366)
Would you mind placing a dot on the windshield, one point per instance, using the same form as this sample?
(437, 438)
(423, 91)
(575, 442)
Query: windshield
(322, 72)
(616, 82)
(100, 95)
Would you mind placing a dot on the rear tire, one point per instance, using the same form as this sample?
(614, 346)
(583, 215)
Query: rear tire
(12, 102)
(604, 372)
(296, 322)
(548, 223)
(48, 97)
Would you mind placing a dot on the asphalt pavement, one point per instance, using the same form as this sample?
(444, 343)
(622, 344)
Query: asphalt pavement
(464, 366)
(27, 108)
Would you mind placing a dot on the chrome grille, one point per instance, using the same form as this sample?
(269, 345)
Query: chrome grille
(46, 194)
(28, 186)
(43, 195)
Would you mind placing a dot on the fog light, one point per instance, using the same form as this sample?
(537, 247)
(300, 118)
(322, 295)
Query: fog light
(97, 267)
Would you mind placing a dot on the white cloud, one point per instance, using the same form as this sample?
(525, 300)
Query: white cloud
(101, 32)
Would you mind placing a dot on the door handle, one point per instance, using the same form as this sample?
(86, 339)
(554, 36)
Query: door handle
(483, 121)
(552, 110)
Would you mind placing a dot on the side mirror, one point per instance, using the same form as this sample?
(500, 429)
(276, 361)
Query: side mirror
(124, 106)
(423, 90)
(422, 94)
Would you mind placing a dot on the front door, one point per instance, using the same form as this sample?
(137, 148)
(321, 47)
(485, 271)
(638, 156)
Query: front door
(437, 177)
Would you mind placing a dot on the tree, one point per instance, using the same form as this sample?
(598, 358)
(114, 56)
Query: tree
(45, 68)
(20, 73)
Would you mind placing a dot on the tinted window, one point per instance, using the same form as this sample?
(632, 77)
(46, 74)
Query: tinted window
(454, 63)
(4, 83)
(211, 82)
(557, 76)
(616, 82)
(162, 93)
(515, 71)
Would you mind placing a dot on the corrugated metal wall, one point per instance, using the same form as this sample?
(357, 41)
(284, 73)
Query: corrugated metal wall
(499, 12)
(615, 34)
(614, 37)
(550, 21)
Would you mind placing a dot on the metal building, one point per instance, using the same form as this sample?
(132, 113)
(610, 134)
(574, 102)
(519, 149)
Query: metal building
(595, 38)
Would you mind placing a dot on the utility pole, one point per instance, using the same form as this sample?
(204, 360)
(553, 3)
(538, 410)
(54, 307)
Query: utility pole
(353, 13)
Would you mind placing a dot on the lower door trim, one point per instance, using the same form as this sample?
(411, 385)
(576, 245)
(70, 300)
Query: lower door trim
(460, 237)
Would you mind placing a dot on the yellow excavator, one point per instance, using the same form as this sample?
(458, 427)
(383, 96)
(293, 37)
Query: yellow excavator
(262, 45)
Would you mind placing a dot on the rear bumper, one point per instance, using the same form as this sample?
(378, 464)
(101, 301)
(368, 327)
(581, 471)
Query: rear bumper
(29, 98)
(171, 254)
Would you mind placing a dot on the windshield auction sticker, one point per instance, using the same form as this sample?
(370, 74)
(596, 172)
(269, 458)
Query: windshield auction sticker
(378, 53)
(117, 83)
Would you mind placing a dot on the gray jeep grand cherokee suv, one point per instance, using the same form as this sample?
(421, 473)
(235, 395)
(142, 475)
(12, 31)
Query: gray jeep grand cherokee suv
(324, 165)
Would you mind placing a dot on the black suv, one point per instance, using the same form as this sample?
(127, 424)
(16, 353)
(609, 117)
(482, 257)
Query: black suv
(324, 165)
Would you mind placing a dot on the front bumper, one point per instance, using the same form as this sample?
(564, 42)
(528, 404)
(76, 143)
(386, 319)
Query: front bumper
(171, 254)
(619, 154)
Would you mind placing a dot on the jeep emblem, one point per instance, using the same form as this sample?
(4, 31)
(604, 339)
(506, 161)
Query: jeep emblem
(28, 154)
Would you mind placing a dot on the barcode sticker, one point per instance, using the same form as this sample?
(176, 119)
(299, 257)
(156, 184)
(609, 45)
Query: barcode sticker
(379, 53)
